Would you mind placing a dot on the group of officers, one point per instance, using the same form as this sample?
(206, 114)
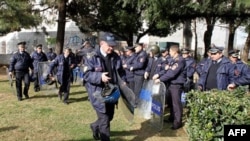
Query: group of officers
(134, 64)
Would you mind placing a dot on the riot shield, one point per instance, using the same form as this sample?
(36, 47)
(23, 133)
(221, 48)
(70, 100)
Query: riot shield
(43, 75)
(158, 104)
(78, 75)
(151, 103)
(127, 100)
(145, 100)
(12, 81)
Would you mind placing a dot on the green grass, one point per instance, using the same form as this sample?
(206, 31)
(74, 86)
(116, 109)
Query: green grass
(44, 117)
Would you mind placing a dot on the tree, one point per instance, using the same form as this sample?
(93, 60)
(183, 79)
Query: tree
(123, 18)
(15, 15)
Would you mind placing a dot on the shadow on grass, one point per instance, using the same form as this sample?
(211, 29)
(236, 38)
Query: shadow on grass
(73, 100)
(78, 92)
(43, 96)
(8, 128)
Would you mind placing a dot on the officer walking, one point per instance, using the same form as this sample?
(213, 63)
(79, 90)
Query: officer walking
(37, 56)
(175, 76)
(64, 64)
(51, 55)
(216, 73)
(20, 64)
(241, 71)
(101, 67)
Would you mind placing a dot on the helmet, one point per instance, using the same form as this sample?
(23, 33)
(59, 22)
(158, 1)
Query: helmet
(155, 49)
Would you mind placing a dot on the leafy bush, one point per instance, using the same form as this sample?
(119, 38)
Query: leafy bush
(208, 112)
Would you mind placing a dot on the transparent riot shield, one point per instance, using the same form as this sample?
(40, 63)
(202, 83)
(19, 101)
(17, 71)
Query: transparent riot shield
(158, 104)
(44, 84)
(127, 99)
(12, 81)
(145, 100)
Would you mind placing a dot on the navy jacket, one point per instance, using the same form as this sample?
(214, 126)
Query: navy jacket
(128, 61)
(224, 74)
(51, 56)
(140, 63)
(38, 57)
(176, 74)
(190, 67)
(200, 65)
(59, 63)
(20, 62)
(94, 67)
(241, 73)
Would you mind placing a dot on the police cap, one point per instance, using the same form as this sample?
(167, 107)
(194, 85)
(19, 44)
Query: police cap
(234, 53)
(216, 49)
(185, 51)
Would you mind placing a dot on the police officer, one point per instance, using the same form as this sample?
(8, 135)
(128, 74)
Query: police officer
(175, 75)
(101, 67)
(64, 64)
(128, 61)
(37, 56)
(241, 71)
(138, 67)
(190, 69)
(20, 64)
(216, 73)
(51, 55)
(154, 62)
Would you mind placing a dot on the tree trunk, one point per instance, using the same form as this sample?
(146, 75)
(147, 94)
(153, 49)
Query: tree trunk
(231, 37)
(245, 51)
(187, 32)
(61, 26)
(196, 41)
(208, 33)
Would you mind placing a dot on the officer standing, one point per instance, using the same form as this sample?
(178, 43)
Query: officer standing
(190, 69)
(64, 64)
(217, 73)
(19, 66)
(241, 71)
(175, 76)
(101, 67)
(138, 67)
(37, 56)
(128, 61)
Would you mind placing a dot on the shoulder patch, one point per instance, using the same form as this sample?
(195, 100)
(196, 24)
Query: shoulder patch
(174, 66)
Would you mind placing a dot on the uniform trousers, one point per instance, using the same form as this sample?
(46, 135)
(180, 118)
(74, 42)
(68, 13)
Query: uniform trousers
(22, 76)
(175, 104)
(138, 79)
(102, 124)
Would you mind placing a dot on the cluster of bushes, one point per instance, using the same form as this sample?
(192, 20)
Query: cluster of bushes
(208, 112)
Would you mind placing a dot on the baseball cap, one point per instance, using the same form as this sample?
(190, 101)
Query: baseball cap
(109, 38)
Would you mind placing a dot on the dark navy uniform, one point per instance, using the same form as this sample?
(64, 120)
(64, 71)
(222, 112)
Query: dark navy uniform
(51, 55)
(128, 61)
(138, 67)
(190, 69)
(199, 66)
(64, 74)
(96, 65)
(37, 57)
(20, 64)
(223, 75)
(175, 76)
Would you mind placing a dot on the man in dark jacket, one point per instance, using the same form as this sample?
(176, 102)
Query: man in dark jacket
(20, 64)
(64, 64)
(37, 56)
(216, 72)
(101, 67)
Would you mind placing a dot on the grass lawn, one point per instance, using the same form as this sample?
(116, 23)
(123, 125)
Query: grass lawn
(44, 117)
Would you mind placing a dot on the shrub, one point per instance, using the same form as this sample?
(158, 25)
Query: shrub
(208, 112)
